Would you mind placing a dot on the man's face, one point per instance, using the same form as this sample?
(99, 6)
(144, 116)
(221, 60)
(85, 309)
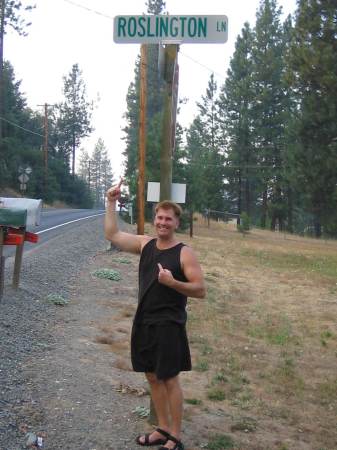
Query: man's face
(165, 223)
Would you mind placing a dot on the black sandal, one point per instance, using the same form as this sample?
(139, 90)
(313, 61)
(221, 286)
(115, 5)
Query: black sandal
(179, 445)
(159, 441)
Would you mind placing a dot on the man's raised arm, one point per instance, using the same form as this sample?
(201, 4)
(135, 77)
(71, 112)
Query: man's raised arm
(125, 241)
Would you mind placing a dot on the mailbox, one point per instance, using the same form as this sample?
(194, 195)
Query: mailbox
(31, 205)
(13, 217)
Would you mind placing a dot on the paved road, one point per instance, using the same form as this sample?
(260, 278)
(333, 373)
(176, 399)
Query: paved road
(55, 222)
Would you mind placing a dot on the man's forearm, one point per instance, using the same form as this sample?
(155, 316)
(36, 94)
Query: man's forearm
(110, 221)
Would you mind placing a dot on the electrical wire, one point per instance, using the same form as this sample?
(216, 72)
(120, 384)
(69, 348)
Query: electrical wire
(202, 65)
(78, 5)
(21, 128)
(89, 9)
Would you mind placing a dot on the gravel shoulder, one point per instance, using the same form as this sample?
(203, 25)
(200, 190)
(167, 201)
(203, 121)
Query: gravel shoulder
(64, 371)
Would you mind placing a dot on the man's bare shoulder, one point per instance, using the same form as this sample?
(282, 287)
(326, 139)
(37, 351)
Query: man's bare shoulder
(144, 239)
(188, 254)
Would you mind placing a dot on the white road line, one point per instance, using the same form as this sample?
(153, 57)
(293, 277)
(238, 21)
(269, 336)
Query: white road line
(67, 223)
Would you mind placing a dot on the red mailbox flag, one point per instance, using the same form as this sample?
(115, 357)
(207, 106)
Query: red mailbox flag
(13, 239)
(31, 237)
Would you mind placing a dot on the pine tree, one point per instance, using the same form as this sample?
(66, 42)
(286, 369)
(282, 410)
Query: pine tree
(101, 176)
(268, 68)
(205, 155)
(313, 76)
(74, 116)
(10, 17)
(235, 112)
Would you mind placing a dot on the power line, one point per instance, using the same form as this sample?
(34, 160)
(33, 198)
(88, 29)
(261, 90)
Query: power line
(202, 65)
(78, 5)
(21, 128)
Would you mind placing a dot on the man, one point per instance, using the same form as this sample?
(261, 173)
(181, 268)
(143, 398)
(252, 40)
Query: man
(168, 273)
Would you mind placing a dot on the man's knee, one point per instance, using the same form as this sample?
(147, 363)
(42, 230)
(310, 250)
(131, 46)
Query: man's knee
(152, 378)
(172, 383)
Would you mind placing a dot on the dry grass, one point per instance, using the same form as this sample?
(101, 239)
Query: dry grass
(264, 339)
(263, 342)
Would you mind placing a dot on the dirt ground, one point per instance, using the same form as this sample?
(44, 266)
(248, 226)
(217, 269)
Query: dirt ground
(263, 348)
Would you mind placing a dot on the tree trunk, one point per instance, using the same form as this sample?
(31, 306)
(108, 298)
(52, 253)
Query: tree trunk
(317, 227)
(240, 194)
(264, 209)
(247, 195)
(290, 225)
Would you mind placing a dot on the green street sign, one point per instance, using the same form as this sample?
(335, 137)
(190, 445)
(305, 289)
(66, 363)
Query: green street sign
(170, 29)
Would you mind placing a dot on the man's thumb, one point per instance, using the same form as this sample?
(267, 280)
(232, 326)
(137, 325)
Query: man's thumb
(160, 267)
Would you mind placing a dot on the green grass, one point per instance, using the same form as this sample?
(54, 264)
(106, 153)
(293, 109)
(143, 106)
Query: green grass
(322, 265)
(274, 330)
(201, 366)
(328, 391)
(193, 401)
(216, 394)
(220, 442)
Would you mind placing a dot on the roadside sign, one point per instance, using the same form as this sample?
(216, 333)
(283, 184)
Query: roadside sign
(171, 29)
(23, 178)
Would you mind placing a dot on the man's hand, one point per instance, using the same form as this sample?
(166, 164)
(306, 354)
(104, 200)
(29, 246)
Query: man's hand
(165, 276)
(114, 193)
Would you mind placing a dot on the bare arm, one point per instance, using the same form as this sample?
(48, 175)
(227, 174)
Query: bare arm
(195, 285)
(125, 241)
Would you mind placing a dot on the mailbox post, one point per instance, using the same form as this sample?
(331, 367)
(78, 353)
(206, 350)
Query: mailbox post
(15, 215)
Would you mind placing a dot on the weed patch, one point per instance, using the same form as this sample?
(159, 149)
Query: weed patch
(220, 442)
(57, 300)
(107, 274)
(216, 394)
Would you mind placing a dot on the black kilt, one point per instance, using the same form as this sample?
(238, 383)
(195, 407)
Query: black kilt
(160, 348)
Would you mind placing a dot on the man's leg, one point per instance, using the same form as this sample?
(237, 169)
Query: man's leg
(175, 400)
(161, 404)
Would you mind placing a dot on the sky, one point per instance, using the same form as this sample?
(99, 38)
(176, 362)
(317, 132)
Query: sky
(65, 32)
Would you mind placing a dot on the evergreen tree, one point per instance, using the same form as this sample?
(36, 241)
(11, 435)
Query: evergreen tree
(74, 116)
(313, 76)
(236, 116)
(205, 155)
(9, 17)
(101, 176)
(269, 108)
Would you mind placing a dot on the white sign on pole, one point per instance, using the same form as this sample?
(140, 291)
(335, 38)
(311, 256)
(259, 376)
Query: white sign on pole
(170, 29)
(178, 192)
(23, 178)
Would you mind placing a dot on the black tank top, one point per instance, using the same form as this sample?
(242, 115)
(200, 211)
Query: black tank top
(157, 302)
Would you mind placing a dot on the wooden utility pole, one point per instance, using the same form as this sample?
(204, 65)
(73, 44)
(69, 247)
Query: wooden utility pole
(45, 146)
(142, 139)
(170, 62)
(2, 33)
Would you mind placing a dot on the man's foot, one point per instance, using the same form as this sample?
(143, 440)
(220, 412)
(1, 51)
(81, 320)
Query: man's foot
(172, 444)
(157, 437)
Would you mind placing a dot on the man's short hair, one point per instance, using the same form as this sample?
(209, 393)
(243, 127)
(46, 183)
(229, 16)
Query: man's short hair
(167, 204)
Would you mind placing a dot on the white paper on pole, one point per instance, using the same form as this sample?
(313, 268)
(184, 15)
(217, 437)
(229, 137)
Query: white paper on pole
(178, 192)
